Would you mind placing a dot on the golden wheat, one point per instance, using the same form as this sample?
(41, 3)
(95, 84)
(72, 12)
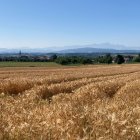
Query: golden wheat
(70, 103)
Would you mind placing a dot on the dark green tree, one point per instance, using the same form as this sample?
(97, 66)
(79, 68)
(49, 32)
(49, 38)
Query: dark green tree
(108, 59)
(86, 61)
(119, 59)
(137, 58)
(54, 57)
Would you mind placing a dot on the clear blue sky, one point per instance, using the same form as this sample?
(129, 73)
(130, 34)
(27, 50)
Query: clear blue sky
(42, 23)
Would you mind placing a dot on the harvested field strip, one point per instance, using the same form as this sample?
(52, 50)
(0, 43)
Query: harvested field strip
(47, 91)
(100, 89)
(12, 87)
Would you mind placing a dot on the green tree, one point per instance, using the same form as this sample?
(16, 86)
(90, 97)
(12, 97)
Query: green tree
(108, 59)
(54, 57)
(86, 61)
(119, 59)
(137, 59)
(105, 59)
(62, 60)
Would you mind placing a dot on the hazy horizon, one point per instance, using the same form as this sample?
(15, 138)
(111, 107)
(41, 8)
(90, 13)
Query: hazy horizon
(60, 23)
(101, 46)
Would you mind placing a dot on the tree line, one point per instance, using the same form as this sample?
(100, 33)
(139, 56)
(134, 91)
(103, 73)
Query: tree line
(67, 60)
(106, 59)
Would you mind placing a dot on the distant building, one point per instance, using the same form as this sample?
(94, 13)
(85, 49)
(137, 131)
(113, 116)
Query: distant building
(128, 59)
(20, 53)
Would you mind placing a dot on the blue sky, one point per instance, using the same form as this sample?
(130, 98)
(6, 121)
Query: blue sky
(43, 23)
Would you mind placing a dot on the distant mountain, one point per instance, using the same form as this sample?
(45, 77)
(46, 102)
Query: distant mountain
(87, 50)
(91, 48)
(30, 50)
(97, 50)
(100, 48)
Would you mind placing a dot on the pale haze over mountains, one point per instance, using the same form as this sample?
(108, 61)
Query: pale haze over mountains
(89, 48)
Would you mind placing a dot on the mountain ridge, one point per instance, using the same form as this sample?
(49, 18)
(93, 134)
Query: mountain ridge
(89, 48)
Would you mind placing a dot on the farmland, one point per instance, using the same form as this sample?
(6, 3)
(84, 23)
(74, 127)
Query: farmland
(86, 102)
(28, 64)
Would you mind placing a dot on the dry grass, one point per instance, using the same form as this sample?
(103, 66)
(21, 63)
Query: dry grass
(88, 103)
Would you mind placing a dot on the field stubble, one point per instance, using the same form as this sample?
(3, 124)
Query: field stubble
(101, 103)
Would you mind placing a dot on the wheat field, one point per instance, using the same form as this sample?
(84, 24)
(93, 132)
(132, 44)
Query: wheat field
(70, 103)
